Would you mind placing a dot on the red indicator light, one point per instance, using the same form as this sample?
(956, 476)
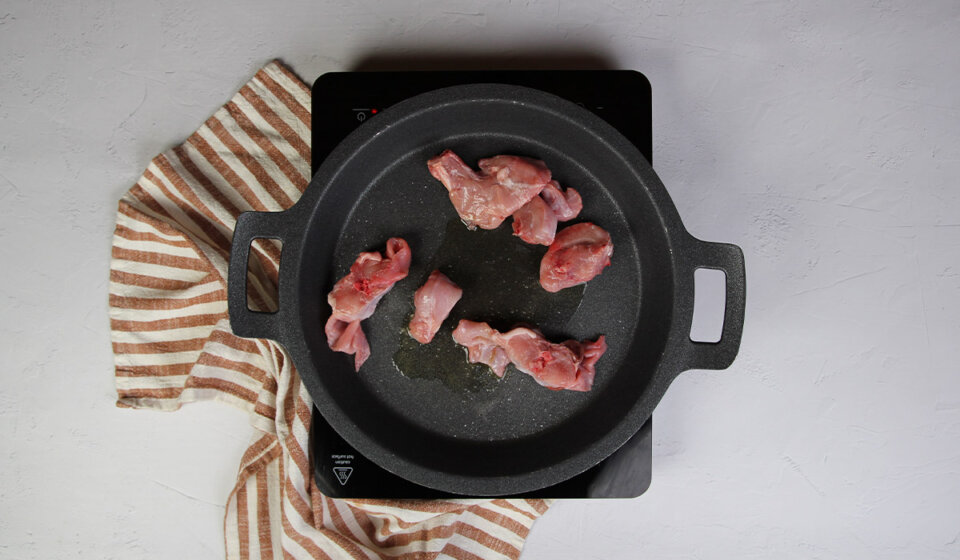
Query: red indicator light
(373, 111)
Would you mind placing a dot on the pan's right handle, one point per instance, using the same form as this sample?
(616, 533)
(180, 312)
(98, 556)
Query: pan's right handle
(728, 259)
(251, 226)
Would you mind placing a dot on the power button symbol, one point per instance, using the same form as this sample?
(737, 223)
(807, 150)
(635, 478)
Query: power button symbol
(361, 116)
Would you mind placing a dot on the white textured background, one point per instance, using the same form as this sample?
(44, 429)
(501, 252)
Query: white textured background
(822, 137)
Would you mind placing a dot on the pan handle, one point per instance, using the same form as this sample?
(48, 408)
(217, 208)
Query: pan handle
(728, 259)
(250, 226)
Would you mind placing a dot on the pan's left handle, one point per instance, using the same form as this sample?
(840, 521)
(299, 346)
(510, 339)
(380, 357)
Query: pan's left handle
(728, 259)
(252, 226)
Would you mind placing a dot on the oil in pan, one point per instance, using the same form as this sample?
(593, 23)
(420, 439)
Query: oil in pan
(499, 275)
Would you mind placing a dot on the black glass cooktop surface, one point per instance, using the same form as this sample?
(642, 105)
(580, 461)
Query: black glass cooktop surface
(342, 101)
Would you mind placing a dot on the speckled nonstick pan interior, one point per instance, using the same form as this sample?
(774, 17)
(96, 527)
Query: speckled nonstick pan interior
(444, 426)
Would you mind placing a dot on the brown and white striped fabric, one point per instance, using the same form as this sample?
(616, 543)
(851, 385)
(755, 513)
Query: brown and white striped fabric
(172, 342)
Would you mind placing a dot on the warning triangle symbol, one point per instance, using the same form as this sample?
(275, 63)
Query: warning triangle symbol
(343, 474)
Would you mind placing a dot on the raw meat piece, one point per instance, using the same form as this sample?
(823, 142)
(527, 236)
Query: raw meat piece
(482, 344)
(433, 302)
(551, 365)
(536, 221)
(348, 338)
(355, 297)
(555, 366)
(566, 205)
(578, 254)
(586, 371)
(485, 199)
(569, 365)
(371, 276)
(515, 172)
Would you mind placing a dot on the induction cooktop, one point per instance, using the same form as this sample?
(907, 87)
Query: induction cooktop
(343, 101)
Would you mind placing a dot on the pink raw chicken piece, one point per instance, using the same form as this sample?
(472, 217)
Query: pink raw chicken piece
(592, 351)
(566, 205)
(570, 365)
(433, 302)
(485, 199)
(348, 338)
(578, 254)
(555, 366)
(536, 221)
(355, 297)
(483, 345)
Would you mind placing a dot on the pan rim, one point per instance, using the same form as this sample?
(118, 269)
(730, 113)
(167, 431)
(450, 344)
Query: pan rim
(395, 116)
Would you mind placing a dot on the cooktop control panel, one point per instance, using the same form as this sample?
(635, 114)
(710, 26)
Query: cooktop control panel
(342, 101)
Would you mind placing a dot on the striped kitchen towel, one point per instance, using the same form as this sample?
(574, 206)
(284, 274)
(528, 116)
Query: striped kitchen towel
(172, 342)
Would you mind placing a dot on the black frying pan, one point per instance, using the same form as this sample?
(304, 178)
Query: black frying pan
(487, 437)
